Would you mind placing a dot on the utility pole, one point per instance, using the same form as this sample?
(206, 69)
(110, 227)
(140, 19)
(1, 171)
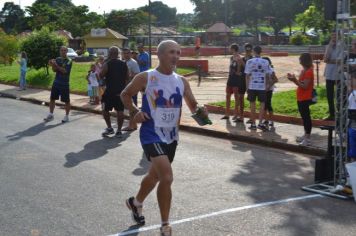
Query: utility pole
(149, 31)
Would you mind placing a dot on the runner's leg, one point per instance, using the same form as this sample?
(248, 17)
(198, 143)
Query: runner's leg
(164, 172)
(147, 185)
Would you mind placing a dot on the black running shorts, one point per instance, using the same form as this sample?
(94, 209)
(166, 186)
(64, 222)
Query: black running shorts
(60, 91)
(153, 150)
(110, 102)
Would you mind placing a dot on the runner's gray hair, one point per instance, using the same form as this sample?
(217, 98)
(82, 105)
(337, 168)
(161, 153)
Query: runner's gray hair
(162, 46)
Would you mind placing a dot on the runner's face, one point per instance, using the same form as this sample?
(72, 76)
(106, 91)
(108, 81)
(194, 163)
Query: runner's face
(63, 52)
(170, 56)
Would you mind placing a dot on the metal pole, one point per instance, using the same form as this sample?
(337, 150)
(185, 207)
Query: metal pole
(149, 32)
(226, 38)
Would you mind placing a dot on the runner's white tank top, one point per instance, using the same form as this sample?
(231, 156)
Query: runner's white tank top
(162, 101)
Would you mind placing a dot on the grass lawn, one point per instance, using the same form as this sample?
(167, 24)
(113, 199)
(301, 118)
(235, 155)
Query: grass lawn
(78, 83)
(285, 103)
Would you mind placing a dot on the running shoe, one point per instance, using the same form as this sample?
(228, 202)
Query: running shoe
(249, 121)
(118, 134)
(137, 217)
(49, 118)
(305, 142)
(239, 120)
(271, 123)
(299, 139)
(253, 127)
(262, 127)
(166, 230)
(108, 131)
(265, 122)
(65, 119)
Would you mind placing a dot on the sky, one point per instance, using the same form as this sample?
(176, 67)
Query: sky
(183, 6)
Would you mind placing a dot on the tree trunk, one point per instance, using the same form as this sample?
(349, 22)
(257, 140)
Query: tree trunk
(47, 70)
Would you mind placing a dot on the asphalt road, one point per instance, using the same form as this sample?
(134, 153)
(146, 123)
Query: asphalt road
(64, 179)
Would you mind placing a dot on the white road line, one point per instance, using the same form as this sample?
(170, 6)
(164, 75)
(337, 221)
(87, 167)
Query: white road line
(263, 204)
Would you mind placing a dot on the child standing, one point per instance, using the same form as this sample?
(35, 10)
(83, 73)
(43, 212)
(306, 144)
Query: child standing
(93, 85)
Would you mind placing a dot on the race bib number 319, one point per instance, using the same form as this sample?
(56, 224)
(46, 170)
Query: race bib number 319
(166, 117)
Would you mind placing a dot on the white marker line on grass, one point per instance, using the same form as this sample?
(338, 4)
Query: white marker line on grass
(263, 204)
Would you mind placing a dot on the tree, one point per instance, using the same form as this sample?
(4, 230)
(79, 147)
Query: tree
(166, 16)
(8, 48)
(82, 22)
(42, 15)
(281, 19)
(13, 18)
(126, 21)
(313, 17)
(41, 46)
(55, 3)
(247, 12)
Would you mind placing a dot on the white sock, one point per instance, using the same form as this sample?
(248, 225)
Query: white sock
(51, 113)
(137, 203)
(164, 223)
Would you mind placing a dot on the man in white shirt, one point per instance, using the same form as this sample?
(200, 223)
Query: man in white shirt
(134, 69)
(257, 72)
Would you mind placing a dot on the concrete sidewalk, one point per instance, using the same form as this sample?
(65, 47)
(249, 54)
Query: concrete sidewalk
(283, 136)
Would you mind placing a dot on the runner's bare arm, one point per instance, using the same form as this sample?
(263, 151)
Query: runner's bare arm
(135, 86)
(189, 97)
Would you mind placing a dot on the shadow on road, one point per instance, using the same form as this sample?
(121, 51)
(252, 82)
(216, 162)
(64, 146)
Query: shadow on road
(93, 150)
(273, 178)
(32, 131)
(144, 166)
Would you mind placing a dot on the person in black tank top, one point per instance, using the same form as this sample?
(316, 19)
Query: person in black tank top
(234, 83)
(116, 76)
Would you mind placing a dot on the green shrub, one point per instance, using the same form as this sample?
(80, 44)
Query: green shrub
(300, 39)
(41, 46)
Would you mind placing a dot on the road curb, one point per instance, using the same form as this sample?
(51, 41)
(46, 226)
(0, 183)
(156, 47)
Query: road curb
(255, 140)
(276, 117)
(202, 131)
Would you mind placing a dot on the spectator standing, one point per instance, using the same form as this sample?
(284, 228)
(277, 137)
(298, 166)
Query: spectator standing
(62, 66)
(116, 76)
(305, 88)
(257, 74)
(23, 69)
(332, 57)
(233, 82)
(242, 90)
(143, 59)
(98, 66)
(93, 85)
(133, 71)
(269, 94)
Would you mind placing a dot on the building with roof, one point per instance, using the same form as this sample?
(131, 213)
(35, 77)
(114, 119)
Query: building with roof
(100, 40)
(218, 34)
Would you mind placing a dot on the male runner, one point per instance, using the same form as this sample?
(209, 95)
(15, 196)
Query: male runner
(61, 66)
(161, 109)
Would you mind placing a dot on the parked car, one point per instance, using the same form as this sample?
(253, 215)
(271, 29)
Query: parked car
(246, 34)
(266, 34)
(284, 34)
(71, 53)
